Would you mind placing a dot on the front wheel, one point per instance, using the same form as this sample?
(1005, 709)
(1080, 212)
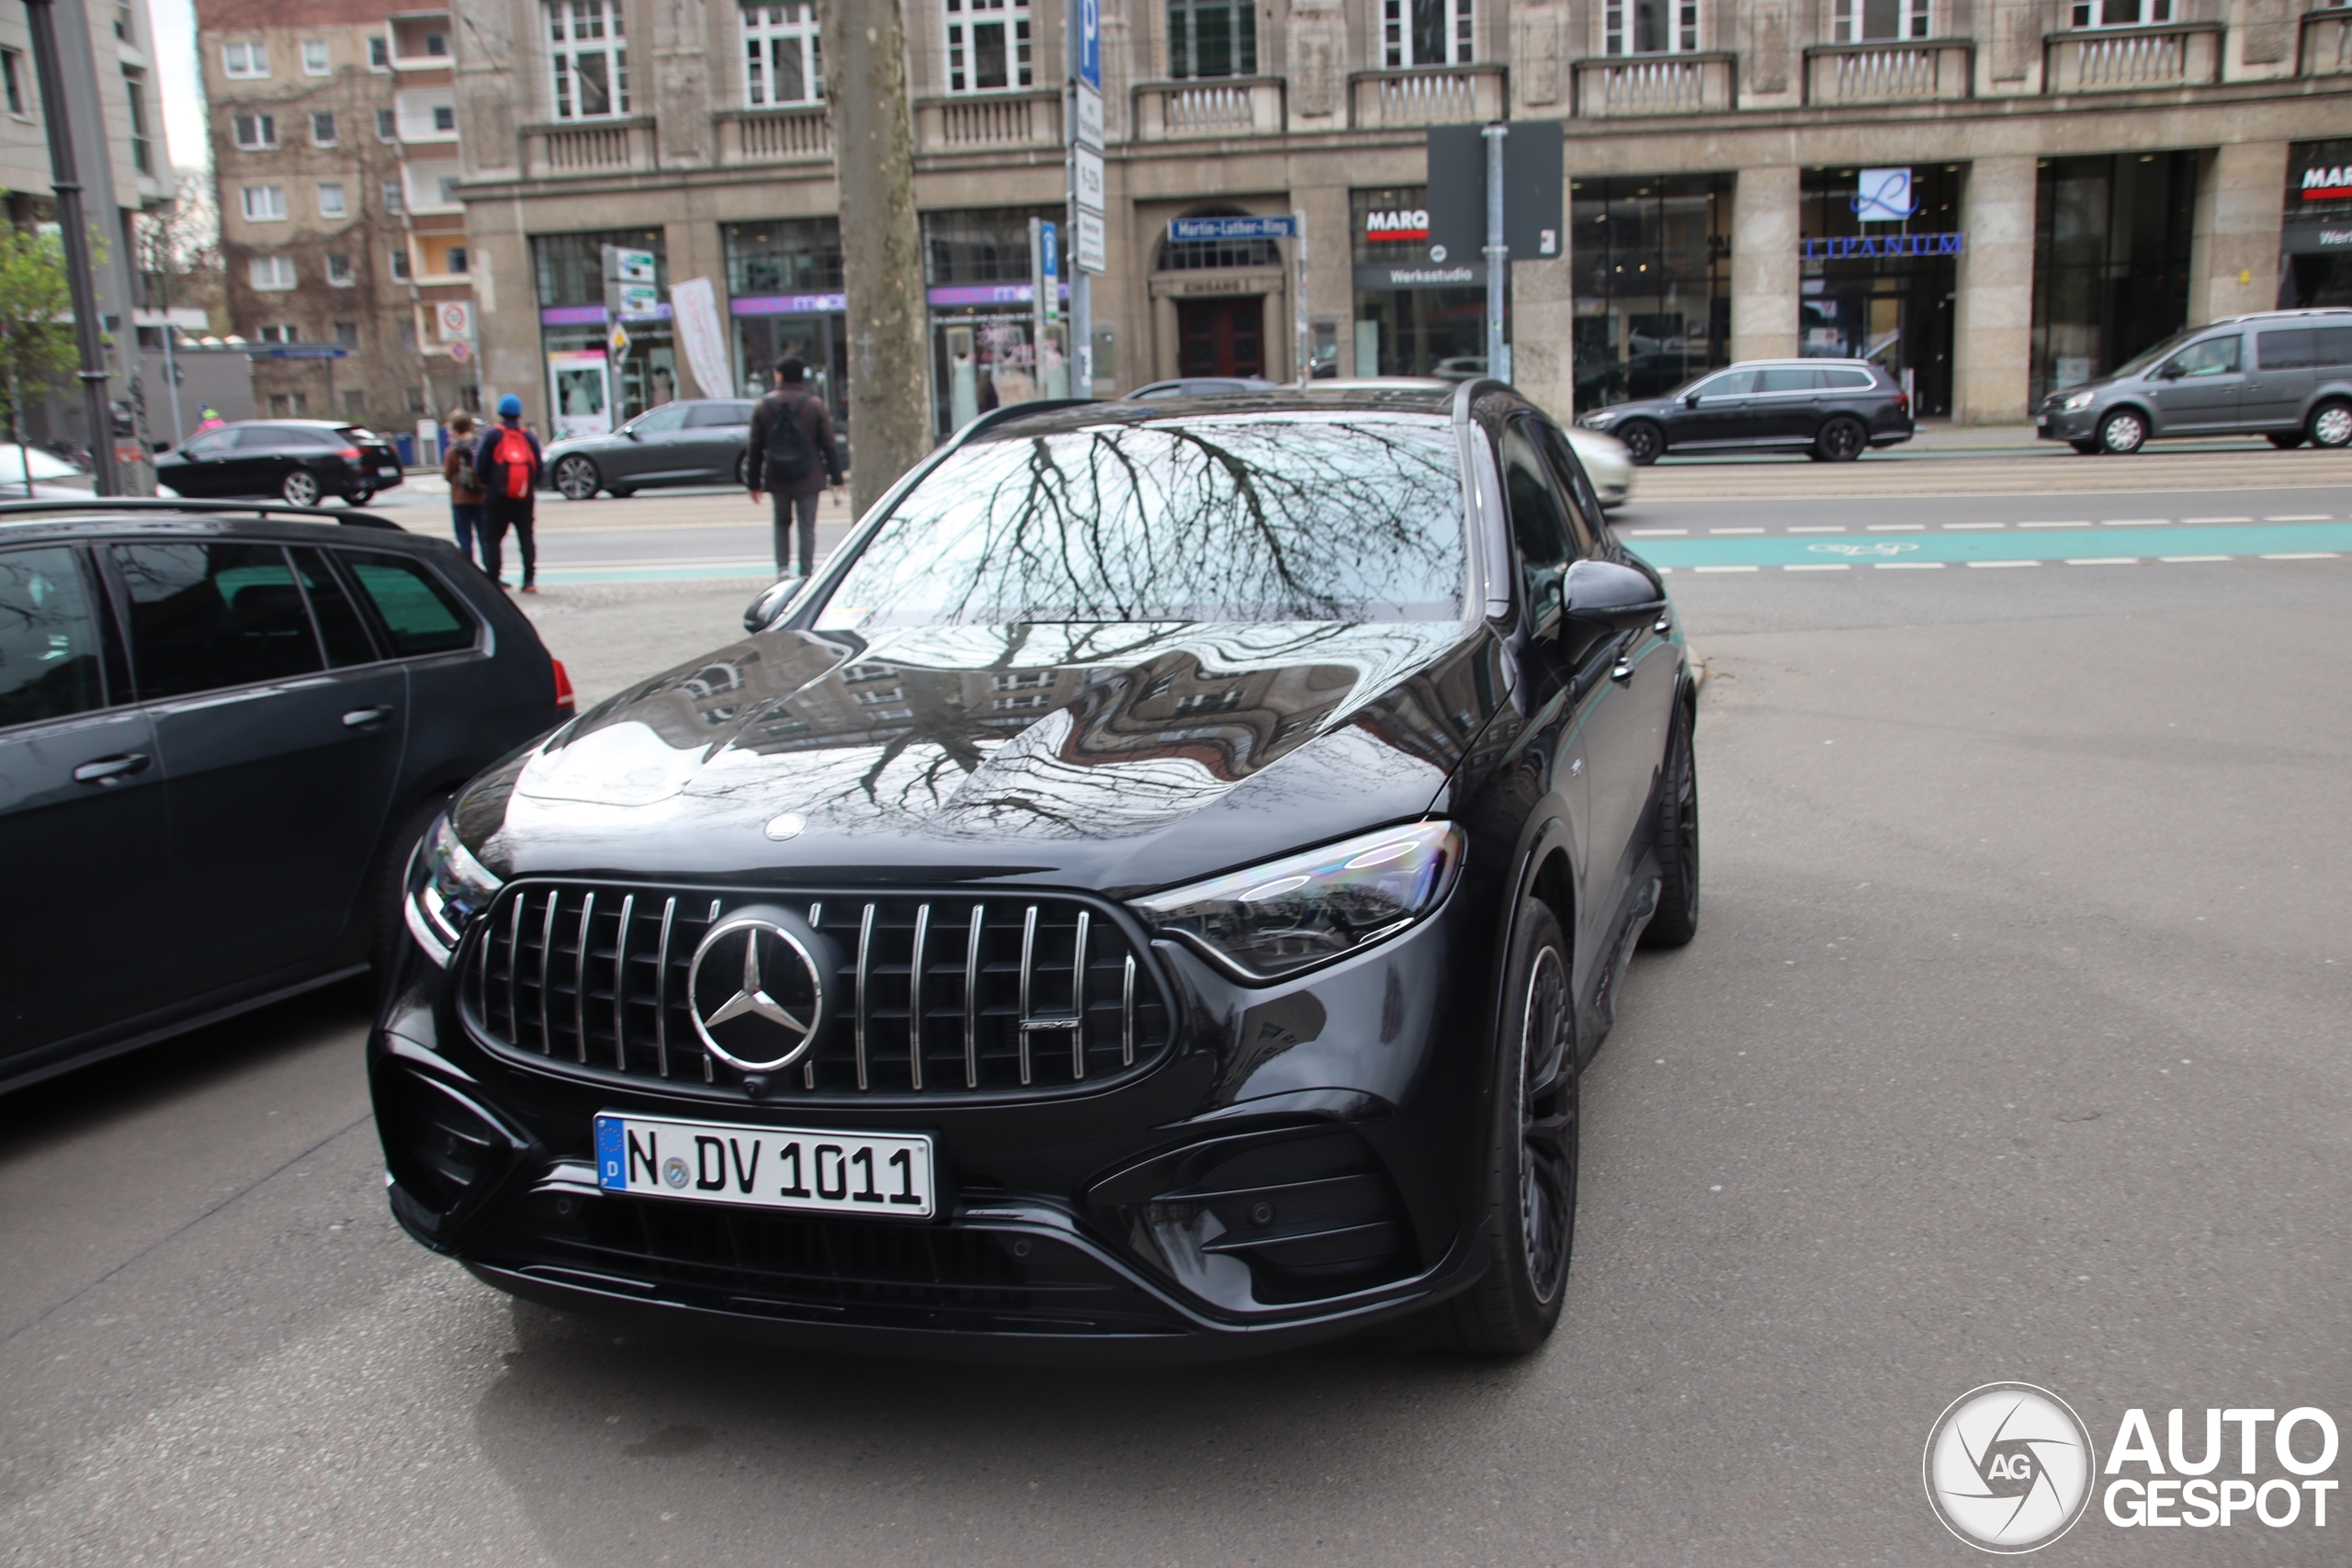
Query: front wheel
(1643, 442)
(1531, 1152)
(2123, 433)
(576, 479)
(360, 497)
(2331, 425)
(299, 488)
(1677, 921)
(1841, 440)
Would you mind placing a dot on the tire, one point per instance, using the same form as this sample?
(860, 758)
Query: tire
(1643, 442)
(2331, 424)
(1841, 440)
(2123, 432)
(299, 488)
(1531, 1151)
(387, 889)
(2288, 440)
(360, 497)
(2087, 449)
(577, 478)
(1677, 921)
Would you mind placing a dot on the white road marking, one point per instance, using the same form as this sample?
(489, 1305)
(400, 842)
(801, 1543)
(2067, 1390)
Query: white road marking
(2217, 520)
(1819, 528)
(2103, 560)
(1963, 527)
(1899, 527)
(2183, 559)
(1820, 566)
(2081, 523)
(1727, 568)
(2135, 522)
(1656, 533)
(2303, 517)
(1909, 565)
(2304, 555)
(1734, 530)
(2004, 563)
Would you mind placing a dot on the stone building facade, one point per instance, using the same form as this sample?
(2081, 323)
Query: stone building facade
(2077, 178)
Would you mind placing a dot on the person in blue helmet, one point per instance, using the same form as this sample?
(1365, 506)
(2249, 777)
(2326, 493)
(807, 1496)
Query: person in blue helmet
(507, 462)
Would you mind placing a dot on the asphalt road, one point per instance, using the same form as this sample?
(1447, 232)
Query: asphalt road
(2012, 1046)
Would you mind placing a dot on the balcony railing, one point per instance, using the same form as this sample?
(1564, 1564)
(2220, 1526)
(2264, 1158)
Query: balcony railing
(1889, 72)
(989, 122)
(1171, 111)
(775, 136)
(1448, 95)
(1655, 85)
(2121, 60)
(2327, 44)
(596, 147)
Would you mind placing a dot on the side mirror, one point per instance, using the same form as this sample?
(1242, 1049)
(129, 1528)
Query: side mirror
(630, 431)
(769, 607)
(1689, 399)
(1605, 593)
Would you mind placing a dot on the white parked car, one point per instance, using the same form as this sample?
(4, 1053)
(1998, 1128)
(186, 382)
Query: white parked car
(46, 469)
(1606, 463)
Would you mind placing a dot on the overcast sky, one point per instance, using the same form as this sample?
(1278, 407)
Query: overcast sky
(183, 89)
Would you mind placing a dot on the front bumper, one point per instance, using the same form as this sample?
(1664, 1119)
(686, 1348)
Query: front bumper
(1303, 1165)
(2060, 424)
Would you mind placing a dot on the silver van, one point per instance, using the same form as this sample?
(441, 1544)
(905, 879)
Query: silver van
(2284, 374)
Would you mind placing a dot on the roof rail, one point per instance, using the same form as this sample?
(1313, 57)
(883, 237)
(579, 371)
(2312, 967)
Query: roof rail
(260, 509)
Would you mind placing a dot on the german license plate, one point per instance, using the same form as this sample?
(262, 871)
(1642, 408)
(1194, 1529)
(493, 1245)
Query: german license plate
(873, 1176)
(387, 469)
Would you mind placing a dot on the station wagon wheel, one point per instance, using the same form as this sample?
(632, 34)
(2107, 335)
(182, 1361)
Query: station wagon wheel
(1643, 442)
(361, 496)
(2123, 433)
(299, 486)
(2332, 424)
(1841, 440)
(576, 479)
(1532, 1157)
(1677, 921)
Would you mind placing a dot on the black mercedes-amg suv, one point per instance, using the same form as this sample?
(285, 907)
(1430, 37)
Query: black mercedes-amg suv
(1148, 898)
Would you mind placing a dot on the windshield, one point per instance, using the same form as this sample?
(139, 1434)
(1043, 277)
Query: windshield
(1251, 518)
(2147, 357)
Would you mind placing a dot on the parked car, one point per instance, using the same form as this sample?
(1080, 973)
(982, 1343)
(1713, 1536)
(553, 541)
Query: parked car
(1148, 898)
(50, 477)
(2284, 374)
(221, 731)
(695, 441)
(300, 461)
(1201, 387)
(1606, 462)
(1832, 409)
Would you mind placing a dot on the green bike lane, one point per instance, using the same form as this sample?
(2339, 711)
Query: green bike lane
(2005, 548)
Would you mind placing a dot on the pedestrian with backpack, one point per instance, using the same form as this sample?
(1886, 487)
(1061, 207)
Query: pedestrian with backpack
(465, 494)
(506, 465)
(793, 459)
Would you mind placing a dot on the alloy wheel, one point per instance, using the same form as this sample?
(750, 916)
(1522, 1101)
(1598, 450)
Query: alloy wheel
(2331, 426)
(2123, 432)
(300, 487)
(1547, 1124)
(1642, 441)
(1841, 440)
(577, 479)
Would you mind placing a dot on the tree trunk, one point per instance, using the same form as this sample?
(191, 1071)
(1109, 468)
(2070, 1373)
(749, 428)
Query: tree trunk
(873, 162)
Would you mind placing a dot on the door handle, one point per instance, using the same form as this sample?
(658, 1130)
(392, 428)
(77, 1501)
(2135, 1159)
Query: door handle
(360, 718)
(106, 769)
(1622, 670)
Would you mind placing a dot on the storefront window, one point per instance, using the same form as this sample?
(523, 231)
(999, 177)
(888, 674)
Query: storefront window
(2110, 262)
(1413, 316)
(1894, 307)
(975, 268)
(589, 390)
(783, 285)
(2315, 241)
(1651, 258)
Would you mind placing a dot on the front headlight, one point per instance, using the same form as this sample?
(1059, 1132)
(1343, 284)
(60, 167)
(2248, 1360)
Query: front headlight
(1600, 421)
(1288, 915)
(2078, 402)
(448, 888)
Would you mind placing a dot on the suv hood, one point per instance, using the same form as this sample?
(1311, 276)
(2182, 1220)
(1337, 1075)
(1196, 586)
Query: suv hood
(1117, 757)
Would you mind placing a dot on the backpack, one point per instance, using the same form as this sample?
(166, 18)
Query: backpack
(789, 455)
(513, 449)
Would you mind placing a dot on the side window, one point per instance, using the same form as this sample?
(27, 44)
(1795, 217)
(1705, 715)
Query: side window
(256, 438)
(2332, 346)
(1846, 380)
(49, 637)
(707, 416)
(211, 440)
(2214, 356)
(417, 611)
(1730, 384)
(1539, 526)
(1586, 526)
(1788, 378)
(205, 617)
(672, 417)
(2285, 350)
(340, 628)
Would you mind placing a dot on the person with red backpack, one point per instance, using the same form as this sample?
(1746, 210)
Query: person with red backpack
(506, 467)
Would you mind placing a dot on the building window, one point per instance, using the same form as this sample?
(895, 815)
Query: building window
(11, 77)
(254, 132)
(279, 332)
(1212, 38)
(590, 59)
(142, 151)
(1870, 21)
(388, 126)
(1650, 27)
(400, 266)
(314, 58)
(288, 405)
(1428, 32)
(408, 327)
(392, 202)
(347, 334)
(322, 130)
(416, 400)
(263, 204)
(437, 44)
(355, 403)
(272, 273)
(244, 62)
(2122, 13)
(331, 202)
(988, 45)
(458, 261)
(445, 116)
(339, 271)
(380, 54)
(783, 61)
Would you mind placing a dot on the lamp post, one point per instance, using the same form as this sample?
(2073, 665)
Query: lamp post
(65, 182)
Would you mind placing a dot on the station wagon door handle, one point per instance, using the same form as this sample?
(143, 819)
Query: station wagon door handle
(106, 769)
(359, 718)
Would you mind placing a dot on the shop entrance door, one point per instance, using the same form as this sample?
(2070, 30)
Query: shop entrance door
(1221, 337)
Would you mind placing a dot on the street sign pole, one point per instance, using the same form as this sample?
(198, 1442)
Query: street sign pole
(1497, 255)
(1305, 349)
(66, 186)
(1082, 130)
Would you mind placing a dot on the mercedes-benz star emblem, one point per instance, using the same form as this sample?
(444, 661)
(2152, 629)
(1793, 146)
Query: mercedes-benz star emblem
(756, 991)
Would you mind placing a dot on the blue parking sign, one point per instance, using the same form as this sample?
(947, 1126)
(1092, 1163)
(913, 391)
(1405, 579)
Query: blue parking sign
(1089, 44)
